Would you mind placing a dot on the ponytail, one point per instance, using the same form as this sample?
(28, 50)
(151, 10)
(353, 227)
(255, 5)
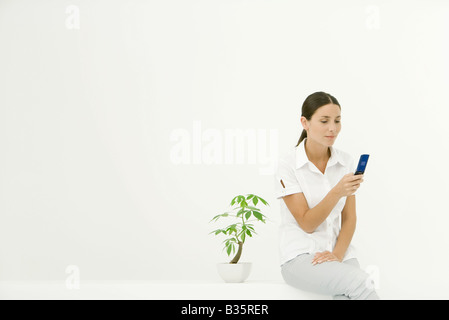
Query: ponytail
(303, 136)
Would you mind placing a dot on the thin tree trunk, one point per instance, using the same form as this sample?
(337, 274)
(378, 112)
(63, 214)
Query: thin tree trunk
(239, 253)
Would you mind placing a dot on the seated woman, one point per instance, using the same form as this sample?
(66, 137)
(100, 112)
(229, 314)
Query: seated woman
(318, 211)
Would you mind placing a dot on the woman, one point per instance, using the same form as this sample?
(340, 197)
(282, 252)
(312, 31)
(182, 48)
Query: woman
(318, 211)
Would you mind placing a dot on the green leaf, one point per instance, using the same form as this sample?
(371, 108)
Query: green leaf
(247, 215)
(251, 230)
(253, 208)
(241, 211)
(229, 250)
(219, 216)
(227, 240)
(249, 233)
(217, 231)
(255, 200)
(263, 201)
(215, 218)
(258, 215)
(232, 228)
(249, 196)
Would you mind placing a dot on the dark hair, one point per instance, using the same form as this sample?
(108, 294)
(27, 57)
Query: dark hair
(311, 104)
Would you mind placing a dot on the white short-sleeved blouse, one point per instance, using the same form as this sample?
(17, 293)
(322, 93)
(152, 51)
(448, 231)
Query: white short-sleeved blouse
(295, 174)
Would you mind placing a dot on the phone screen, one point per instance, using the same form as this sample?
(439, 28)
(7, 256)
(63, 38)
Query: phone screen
(362, 164)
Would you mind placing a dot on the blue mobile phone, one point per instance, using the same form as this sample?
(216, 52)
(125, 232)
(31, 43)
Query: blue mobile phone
(362, 164)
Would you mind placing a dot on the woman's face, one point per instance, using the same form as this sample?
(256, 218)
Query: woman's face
(324, 126)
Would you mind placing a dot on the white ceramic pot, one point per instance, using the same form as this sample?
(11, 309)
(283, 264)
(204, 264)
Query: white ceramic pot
(234, 272)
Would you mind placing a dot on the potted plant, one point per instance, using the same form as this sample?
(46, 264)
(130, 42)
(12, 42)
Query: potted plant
(237, 233)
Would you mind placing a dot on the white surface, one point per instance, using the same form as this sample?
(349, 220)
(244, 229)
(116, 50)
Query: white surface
(258, 290)
(87, 172)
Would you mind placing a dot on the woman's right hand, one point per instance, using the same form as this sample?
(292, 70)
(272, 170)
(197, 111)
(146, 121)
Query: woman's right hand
(348, 185)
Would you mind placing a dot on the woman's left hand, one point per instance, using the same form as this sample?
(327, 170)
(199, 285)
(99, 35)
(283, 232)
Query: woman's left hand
(324, 256)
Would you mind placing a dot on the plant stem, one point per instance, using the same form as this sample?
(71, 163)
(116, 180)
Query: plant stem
(239, 253)
(243, 222)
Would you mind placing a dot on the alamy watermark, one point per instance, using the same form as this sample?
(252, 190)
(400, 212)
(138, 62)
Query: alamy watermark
(212, 146)
(72, 21)
(372, 21)
(72, 281)
(373, 280)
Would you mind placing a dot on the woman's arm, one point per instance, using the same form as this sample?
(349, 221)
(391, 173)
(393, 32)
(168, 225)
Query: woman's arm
(310, 219)
(348, 223)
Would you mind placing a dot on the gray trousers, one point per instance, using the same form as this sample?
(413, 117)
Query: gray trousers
(342, 280)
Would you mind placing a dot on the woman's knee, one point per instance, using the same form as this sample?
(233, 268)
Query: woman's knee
(361, 287)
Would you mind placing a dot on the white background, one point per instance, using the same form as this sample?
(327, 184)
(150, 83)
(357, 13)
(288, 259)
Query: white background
(87, 117)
